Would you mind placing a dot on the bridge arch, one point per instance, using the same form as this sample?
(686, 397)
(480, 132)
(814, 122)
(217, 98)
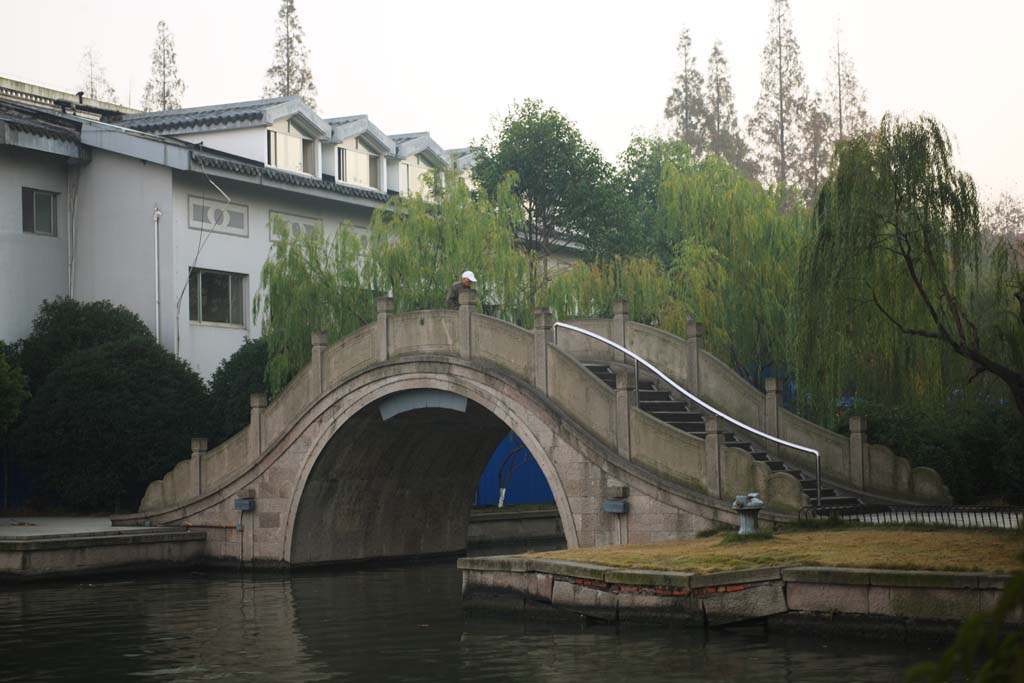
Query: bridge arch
(317, 509)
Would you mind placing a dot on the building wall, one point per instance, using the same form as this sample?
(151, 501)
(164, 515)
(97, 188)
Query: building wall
(204, 345)
(114, 255)
(32, 267)
(250, 143)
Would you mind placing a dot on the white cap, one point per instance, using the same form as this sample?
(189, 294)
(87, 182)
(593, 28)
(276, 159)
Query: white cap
(468, 275)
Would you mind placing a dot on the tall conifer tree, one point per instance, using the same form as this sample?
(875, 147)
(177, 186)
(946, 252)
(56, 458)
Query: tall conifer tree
(776, 122)
(845, 96)
(721, 128)
(685, 105)
(290, 74)
(164, 89)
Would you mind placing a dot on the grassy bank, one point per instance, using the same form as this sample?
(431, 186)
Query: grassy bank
(877, 548)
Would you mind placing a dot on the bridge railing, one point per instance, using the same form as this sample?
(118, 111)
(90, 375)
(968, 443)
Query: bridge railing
(638, 361)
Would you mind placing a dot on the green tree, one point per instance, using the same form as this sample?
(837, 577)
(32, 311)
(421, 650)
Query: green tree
(899, 279)
(685, 106)
(816, 134)
(13, 393)
(565, 185)
(289, 74)
(64, 326)
(108, 421)
(94, 81)
(417, 248)
(236, 378)
(164, 89)
(309, 283)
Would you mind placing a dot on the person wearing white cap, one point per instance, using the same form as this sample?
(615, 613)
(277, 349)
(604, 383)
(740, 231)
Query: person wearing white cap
(465, 284)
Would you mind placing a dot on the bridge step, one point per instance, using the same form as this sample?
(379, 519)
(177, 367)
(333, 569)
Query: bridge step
(660, 404)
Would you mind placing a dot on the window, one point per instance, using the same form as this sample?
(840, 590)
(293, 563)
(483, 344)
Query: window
(272, 148)
(213, 215)
(39, 211)
(290, 152)
(216, 297)
(342, 171)
(353, 166)
(308, 162)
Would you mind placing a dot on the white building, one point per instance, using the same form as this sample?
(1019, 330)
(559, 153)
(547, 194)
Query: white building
(169, 213)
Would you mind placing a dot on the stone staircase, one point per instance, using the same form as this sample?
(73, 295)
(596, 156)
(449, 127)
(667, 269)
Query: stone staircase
(677, 412)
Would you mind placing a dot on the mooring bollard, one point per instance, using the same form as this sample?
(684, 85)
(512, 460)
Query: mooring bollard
(748, 506)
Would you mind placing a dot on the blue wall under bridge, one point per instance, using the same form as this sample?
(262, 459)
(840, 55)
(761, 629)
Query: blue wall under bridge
(512, 462)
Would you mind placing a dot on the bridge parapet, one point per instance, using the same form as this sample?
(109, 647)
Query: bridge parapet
(707, 466)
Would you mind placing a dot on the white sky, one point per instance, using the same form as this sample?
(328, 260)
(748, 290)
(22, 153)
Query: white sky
(453, 66)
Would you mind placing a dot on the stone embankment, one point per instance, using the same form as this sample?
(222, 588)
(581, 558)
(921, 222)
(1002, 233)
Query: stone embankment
(887, 603)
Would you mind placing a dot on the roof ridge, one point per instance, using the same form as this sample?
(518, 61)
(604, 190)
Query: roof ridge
(270, 101)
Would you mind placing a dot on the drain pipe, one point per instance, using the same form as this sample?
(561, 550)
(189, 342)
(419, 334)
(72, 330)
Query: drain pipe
(156, 262)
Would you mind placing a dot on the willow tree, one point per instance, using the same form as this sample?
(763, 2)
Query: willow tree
(897, 282)
(419, 247)
(311, 282)
(735, 262)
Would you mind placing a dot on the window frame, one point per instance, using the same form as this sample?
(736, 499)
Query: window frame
(243, 281)
(29, 223)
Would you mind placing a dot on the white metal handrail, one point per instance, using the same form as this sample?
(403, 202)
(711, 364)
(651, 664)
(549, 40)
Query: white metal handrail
(668, 380)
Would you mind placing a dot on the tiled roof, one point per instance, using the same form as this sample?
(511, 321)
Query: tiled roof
(242, 167)
(219, 115)
(39, 122)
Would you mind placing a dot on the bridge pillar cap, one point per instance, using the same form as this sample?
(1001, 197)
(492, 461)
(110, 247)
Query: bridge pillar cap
(858, 424)
(620, 307)
(200, 444)
(772, 385)
(543, 318)
(694, 329)
(319, 338)
(712, 424)
(385, 304)
(467, 297)
(258, 400)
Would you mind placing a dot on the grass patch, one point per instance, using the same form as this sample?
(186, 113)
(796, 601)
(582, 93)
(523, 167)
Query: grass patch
(737, 537)
(994, 551)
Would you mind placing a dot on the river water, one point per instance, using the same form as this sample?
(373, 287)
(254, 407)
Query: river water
(402, 623)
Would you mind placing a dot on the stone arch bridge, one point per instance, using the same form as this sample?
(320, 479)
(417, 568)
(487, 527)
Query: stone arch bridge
(374, 449)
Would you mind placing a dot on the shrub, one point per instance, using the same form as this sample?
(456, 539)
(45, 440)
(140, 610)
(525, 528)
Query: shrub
(64, 326)
(976, 445)
(13, 393)
(108, 421)
(235, 379)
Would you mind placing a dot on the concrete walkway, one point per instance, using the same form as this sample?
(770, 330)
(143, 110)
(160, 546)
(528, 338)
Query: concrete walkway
(29, 527)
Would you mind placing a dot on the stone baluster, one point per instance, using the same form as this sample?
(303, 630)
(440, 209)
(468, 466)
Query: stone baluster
(860, 461)
(543, 334)
(624, 384)
(620, 320)
(467, 308)
(316, 379)
(257, 404)
(713, 456)
(385, 308)
(199, 447)
(694, 345)
(772, 402)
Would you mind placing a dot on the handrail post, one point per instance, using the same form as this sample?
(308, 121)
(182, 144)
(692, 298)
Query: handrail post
(257, 404)
(771, 412)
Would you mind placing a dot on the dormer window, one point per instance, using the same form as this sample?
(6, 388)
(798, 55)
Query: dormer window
(290, 150)
(357, 164)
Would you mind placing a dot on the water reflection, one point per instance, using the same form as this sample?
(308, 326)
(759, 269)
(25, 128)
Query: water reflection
(388, 624)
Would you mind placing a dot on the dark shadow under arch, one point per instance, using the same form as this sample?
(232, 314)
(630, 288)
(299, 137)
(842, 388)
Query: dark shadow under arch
(396, 488)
